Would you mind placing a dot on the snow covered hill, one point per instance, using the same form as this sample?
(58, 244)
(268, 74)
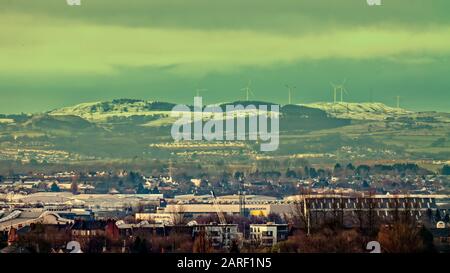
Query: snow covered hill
(359, 111)
(101, 111)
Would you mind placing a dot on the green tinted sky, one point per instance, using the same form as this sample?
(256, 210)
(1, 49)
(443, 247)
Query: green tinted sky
(54, 55)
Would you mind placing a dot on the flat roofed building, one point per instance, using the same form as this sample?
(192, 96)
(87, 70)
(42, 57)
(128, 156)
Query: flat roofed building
(268, 234)
(220, 235)
(194, 210)
(158, 218)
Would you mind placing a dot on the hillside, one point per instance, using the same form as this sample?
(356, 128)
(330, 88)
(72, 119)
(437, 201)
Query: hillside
(101, 111)
(47, 122)
(359, 111)
(125, 128)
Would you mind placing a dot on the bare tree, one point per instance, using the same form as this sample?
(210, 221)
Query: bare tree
(359, 211)
(74, 187)
(371, 215)
(300, 214)
(202, 244)
(178, 214)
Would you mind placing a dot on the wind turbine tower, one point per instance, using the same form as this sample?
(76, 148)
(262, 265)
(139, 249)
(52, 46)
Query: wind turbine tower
(290, 88)
(398, 102)
(248, 90)
(339, 88)
(334, 90)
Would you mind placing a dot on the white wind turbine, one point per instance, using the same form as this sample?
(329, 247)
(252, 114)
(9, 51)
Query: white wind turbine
(248, 90)
(290, 88)
(339, 88)
(334, 91)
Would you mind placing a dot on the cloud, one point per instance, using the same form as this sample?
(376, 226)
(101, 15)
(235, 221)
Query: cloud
(45, 45)
(268, 15)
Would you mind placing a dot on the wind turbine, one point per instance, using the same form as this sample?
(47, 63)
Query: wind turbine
(334, 90)
(290, 88)
(398, 102)
(343, 90)
(248, 90)
(339, 88)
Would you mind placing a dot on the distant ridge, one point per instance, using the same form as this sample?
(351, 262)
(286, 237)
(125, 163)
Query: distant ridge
(96, 111)
(359, 110)
(101, 111)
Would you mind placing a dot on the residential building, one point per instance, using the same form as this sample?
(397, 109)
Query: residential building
(220, 235)
(268, 234)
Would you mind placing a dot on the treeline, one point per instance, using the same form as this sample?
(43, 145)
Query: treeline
(347, 170)
(213, 171)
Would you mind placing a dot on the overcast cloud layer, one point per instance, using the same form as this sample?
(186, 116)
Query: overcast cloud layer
(54, 55)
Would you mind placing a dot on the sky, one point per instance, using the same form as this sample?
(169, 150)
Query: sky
(54, 55)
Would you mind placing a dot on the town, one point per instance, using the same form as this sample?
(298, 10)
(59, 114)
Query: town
(300, 210)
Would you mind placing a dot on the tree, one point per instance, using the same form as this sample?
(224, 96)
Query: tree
(446, 218)
(155, 190)
(401, 237)
(74, 187)
(139, 246)
(337, 171)
(437, 216)
(234, 247)
(430, 214)
(238, 175)
(202, 244)
(306, 171)
(55, 187)
(446, 170)
(350, 167)
(363, 170)
(290, 173)
(141, 190)
(300, 215)
(275, 217)
(427, 238)
(96, 244)
(324, 241)
(178, 215)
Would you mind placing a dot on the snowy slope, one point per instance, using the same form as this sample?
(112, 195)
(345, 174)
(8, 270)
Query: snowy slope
(101, 111)
(359, 111)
